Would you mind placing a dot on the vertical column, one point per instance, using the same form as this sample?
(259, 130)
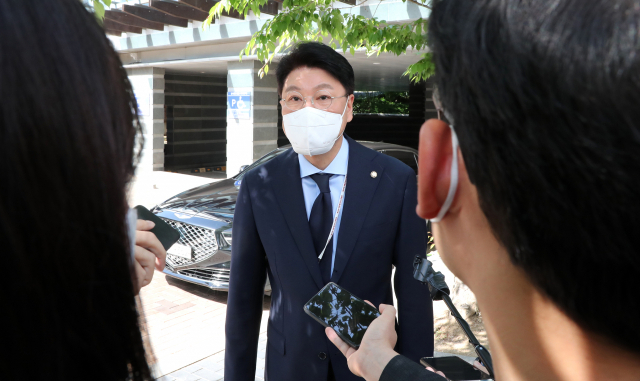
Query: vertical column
(148, 86)
(252, 114)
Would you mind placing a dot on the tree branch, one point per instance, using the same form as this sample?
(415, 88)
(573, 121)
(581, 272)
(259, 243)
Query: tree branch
(419, 3)
(376, 11)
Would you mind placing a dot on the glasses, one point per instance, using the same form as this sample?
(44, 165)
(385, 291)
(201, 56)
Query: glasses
(321, 100)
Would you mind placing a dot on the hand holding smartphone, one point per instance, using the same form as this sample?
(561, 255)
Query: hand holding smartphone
(148, 251)
(163, 231)
(348, 315)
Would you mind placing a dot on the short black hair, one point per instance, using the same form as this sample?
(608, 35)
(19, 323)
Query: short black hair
(544, 99)
(316, 55)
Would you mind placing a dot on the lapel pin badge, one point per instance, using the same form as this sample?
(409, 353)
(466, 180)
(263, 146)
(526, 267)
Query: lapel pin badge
(374, 174)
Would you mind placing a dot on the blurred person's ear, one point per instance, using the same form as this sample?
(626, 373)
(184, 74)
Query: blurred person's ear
(463, 236)
(434, 167)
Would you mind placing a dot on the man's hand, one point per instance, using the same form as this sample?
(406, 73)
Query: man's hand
(148, 253)
(376, 349)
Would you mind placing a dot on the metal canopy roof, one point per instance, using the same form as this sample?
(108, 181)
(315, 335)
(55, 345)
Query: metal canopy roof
(131, 16)
(168, 34)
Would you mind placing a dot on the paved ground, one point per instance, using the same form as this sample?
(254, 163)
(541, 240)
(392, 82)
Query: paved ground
(212, 368)
(185, 324)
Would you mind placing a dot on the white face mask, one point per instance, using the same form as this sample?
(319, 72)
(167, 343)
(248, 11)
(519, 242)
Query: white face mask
(312, 131)
(453, 184)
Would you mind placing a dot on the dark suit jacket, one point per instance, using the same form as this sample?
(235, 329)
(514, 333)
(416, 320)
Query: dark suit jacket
(271, 235)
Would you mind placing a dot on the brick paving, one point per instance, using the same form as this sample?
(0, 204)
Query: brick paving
(185, 327)
(212, 368)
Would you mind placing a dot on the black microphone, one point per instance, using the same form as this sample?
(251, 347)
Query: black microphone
(423, 272)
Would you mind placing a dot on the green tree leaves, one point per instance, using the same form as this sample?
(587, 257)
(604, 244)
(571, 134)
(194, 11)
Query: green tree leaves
(99, 7)
(422, 69)
(315, 20)
(390, 102)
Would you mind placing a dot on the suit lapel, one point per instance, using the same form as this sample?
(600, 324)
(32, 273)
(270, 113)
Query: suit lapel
(288, 189)
(361, 187)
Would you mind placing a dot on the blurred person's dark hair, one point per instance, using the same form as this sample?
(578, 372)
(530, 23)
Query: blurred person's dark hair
(549, 127)
(320, 56)
(68, 128)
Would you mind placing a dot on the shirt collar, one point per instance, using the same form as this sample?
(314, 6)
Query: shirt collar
(337, 167)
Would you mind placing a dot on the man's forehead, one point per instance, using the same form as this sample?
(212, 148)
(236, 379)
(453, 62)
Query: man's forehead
(312, 79)
(320, 86)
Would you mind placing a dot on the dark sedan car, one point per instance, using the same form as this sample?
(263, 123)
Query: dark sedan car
(204, 217)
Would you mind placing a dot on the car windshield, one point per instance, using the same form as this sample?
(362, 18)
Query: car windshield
(271, 155)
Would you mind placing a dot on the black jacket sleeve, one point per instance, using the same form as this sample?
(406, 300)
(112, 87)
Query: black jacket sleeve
(401, 368)
(415, 309)
(246, 291)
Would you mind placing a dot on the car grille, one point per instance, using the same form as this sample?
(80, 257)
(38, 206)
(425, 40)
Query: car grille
(207, 274)
(201, 240)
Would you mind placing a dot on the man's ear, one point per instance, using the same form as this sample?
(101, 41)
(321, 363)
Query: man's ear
(350, 99)
(434, 167)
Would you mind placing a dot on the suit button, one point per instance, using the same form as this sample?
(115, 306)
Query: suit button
(322, 355)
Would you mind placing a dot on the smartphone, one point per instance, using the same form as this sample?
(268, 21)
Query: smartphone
(165, 233)
(454, 368)
(348, 315)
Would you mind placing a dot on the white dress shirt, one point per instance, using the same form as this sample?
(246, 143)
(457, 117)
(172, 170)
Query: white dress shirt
(338, 168)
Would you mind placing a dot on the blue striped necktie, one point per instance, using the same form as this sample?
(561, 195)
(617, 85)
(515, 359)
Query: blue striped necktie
(320, 222)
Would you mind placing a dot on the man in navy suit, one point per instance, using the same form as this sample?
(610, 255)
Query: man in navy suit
(328, 209)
